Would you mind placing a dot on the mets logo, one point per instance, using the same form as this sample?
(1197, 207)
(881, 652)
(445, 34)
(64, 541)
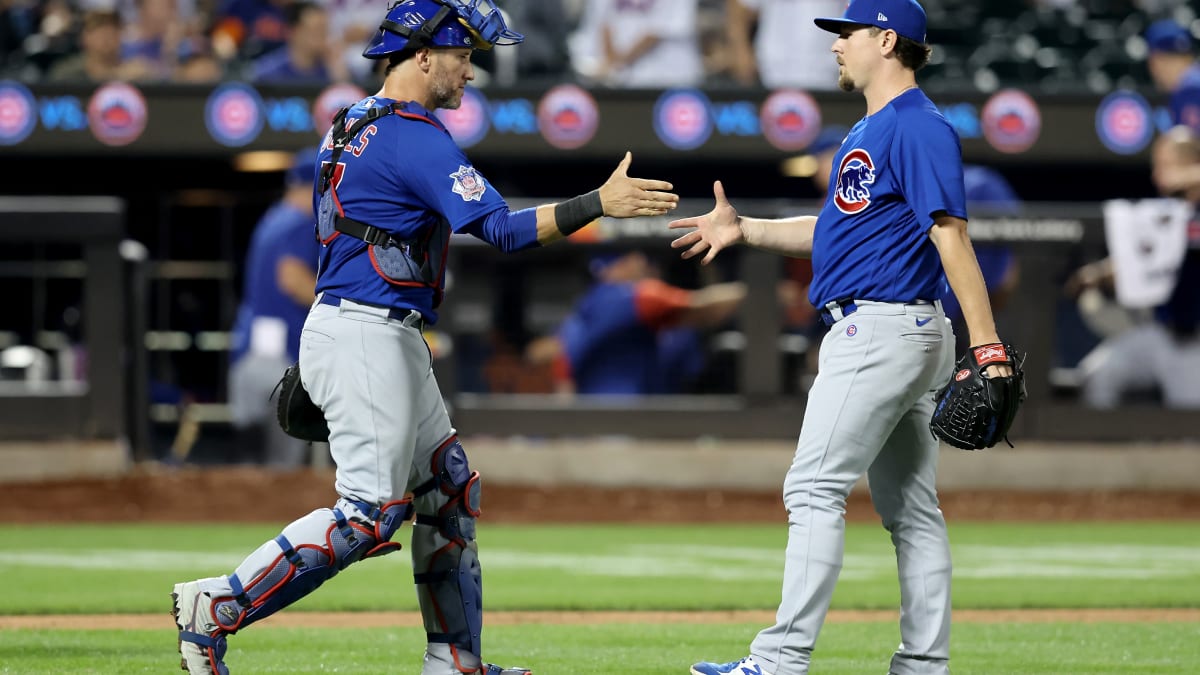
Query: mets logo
(468, 183)
(117, 113)
(1012, 121)
(1124, 122)
(18, 113)
(234, 114)
(568, 117)
(855, 174)
(790, 119)
(332, 99)
(683, 119)
(469, 122)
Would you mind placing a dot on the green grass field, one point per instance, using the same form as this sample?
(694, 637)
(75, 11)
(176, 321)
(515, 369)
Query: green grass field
(129, 569)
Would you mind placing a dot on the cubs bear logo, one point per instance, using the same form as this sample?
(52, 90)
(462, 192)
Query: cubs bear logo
(855, 174)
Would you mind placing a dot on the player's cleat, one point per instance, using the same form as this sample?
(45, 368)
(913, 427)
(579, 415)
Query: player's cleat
(746, 666)
(201, 642)
(492, 669)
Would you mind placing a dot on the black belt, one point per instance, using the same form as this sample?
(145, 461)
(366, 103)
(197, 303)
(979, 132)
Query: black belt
(393, 312)
(846, 306)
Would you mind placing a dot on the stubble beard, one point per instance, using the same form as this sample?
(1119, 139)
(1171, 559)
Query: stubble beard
(445, 94)
(845, 82)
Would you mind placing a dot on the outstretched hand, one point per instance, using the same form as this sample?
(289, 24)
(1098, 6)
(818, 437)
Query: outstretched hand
(626, 197)
(714, 231)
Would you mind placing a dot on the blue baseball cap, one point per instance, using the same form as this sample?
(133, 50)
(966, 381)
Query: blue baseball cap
(906, 17)
(304, 167)
(1167, 36)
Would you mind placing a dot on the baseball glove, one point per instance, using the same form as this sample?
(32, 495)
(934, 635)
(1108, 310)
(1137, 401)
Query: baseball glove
(298, 416)
(974, 411)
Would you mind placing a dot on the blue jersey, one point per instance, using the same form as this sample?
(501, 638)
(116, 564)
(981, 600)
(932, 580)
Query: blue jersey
(283, 232)
(895, 169)
(403, 174)
(1185, 100)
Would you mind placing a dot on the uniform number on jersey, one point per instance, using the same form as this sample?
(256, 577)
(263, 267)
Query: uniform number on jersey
(337, 173)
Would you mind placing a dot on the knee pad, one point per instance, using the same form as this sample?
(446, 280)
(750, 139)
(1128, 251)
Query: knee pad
(445, 555)
(309, 552)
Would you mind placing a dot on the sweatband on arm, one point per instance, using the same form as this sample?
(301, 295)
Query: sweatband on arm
(573, 214)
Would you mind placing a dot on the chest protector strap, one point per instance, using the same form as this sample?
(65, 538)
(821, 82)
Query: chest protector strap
(419, 261)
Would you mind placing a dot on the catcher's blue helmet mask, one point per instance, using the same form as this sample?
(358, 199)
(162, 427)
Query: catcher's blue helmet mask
(413, 24)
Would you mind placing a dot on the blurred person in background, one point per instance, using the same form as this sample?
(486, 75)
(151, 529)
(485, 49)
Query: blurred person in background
(351, 25)
(632, 333)
(640, 43)
(544, 53)
(153, 41)
(247, 29)
(764, 47)
(1174, 70)
(1162, 353)
(99, 57)
(306, 56)
(393, 189)
(280, 278)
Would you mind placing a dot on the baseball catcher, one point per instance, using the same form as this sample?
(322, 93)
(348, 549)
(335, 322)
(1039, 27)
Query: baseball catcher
(974, 411)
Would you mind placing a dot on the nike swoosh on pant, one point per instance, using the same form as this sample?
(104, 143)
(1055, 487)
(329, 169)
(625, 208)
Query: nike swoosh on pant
(922, 323)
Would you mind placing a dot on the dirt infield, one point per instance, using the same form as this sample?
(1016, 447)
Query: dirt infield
(763, 617)
(158, 494)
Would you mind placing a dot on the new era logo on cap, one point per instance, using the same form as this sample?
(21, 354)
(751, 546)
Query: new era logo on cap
(906, 17)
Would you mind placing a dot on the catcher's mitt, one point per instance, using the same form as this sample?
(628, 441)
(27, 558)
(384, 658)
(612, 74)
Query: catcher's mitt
(297, 414)
(973, 411)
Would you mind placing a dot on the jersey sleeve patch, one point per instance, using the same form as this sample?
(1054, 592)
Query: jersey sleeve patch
(468, 184)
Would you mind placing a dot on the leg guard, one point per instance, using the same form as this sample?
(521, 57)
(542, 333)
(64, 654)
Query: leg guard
(308, 552)
(445, 561)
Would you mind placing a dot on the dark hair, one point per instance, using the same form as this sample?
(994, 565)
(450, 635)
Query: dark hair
(396, 59)
(912, 54)
(294, 13)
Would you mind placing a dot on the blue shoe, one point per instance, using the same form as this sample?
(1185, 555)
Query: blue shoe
(746, 666)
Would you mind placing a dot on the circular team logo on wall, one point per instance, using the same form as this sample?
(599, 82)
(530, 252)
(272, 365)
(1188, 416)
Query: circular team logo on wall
(18, 113)
(568, 117)
(790, 119)
(234, 114)
(1124, 122)
(683, 119)
(468, 123)
(1011, 121)
(332, 99)
(117, 114)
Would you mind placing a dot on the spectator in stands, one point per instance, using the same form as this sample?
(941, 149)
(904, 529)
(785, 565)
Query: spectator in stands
(247, 29)
(198, 65)
(306, 56)
(352, 23)
(151, 46)
(1175, 70)
(280, 278)
(1162, 353)
(640, 43)
(544, 52)
(777, 59)
(99, 58)
(632, 333)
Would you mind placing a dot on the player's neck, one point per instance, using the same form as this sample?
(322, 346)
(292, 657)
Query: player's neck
(402, 86)
(882, 91)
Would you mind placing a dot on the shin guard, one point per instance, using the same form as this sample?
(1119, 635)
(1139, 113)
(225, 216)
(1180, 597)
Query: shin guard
(310, 551)
(445, 560)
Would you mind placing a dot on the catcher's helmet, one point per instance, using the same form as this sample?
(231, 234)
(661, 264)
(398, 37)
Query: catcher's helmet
(413, 24)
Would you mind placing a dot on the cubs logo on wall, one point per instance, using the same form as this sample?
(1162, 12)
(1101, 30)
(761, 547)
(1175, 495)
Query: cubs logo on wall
(568, 117)
(469, 123)
(1124, 122)
(117, 114)
(1012, 121)
(790, 119)
(683, 118)
(18, 112)
(234, 114)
